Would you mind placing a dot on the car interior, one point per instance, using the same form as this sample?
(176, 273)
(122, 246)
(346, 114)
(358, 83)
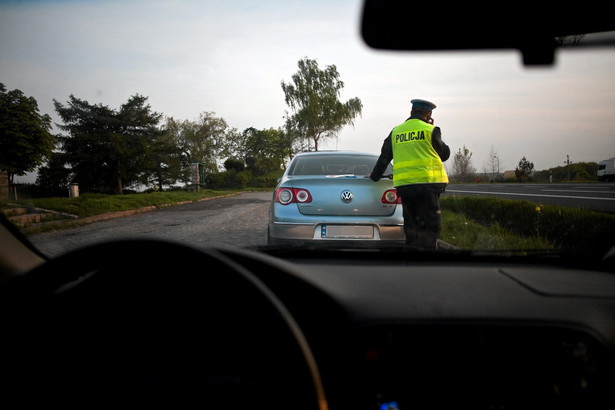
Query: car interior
(320, 327)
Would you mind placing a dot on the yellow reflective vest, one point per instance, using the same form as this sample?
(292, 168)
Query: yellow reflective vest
(415, 161)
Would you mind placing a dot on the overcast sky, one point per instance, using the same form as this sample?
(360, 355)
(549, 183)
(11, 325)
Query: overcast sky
(229, 57)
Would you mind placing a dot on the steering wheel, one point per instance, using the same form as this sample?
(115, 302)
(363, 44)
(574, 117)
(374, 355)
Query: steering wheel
(151, 322)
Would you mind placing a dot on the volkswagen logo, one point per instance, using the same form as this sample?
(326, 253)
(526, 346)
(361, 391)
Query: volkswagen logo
(346, 197)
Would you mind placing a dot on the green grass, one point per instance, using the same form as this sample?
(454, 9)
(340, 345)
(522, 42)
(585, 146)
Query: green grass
(512, 224)
(95, 204)
(464, 233)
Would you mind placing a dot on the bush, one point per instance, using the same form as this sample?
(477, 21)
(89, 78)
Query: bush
(565, 228)
(234, 164)
(214, 180)
(228, 180)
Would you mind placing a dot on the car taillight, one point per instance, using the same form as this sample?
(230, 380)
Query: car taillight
(390, 197)
(287, 196)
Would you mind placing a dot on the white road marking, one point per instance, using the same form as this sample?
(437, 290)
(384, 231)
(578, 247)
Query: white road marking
(580, 191)
(538, 195)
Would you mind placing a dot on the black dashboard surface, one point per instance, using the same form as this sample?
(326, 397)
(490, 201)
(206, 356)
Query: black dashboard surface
(370, 330)
(432, 334)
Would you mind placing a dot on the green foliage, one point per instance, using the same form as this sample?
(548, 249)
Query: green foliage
(524, 169)
(96, 204)
(465, 233)
(313, 96)
(228, 179)
(463, 170)
(234, 164)
(266, 181)
(25, 138)
(54, 178)
(165, 163)
(203, 140)
(234, 179)
(263, 150)
(565, 228)
(264, 166)
(105, 148)
(579, 171)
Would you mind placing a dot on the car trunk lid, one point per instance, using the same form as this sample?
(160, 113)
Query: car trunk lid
(344, 195)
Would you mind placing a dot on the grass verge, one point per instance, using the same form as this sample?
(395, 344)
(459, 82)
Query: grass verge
(464, 233)
(497, 223)
(95, 204)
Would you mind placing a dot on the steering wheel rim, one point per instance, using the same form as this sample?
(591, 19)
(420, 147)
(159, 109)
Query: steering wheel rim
(103, 279)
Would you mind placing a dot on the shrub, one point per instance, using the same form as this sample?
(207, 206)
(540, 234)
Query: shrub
(565, 228)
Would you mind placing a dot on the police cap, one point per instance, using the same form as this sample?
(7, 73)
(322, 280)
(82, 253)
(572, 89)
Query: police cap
(423, 105)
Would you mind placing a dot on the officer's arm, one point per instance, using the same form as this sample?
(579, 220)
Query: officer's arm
(386, 156)
(436, 142)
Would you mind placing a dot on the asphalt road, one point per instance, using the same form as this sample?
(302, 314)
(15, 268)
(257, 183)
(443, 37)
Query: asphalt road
(597, 197)
(239, 220)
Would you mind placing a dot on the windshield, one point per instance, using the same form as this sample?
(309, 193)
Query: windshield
(331, 164)
(187, 120)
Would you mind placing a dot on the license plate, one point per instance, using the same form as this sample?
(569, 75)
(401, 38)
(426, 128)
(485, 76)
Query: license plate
(347, 231)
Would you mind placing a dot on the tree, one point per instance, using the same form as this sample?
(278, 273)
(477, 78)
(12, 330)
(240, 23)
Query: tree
(234, 164)
(294, 141)
(202, 140)
(493, 164)
(25, 137)
(54, 177)
(313, 96)
(524, 169)
(462, 165)
(165, 164)
(86, 143)
(138, 144)
(263, 150)
(580, 171)
(105, 148)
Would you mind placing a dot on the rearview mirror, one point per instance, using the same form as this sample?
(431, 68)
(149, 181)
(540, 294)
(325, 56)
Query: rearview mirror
(535, 30)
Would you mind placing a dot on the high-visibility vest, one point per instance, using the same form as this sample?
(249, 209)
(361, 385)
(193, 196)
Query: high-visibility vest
(415, 161)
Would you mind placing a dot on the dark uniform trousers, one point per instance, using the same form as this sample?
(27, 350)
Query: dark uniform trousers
(421, 210)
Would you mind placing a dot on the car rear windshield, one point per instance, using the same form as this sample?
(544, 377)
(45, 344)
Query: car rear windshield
(333, 165)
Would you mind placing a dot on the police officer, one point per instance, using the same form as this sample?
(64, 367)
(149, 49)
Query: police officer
(417, 151)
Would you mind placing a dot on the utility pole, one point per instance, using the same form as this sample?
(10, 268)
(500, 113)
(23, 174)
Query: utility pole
(568, 165)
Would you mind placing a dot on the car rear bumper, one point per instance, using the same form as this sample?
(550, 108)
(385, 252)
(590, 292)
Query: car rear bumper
(284, 232)
(287, 224)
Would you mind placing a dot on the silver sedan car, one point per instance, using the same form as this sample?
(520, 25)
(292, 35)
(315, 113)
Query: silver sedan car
(328, 196)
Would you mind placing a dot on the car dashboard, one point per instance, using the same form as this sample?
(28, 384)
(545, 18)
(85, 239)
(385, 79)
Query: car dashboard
(320, 328)
(404, 333)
